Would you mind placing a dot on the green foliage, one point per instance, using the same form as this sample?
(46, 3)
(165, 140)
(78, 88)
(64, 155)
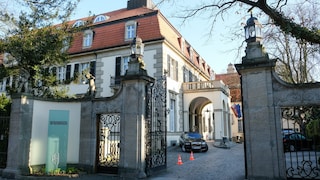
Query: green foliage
(313, 128)
(72, 170)
(34, 44)
(313, 123)
(5, 103)
(3, 72)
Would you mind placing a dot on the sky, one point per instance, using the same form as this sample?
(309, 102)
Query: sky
(218, 49)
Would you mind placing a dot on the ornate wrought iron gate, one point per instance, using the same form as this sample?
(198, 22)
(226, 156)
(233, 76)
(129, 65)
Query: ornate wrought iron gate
(4, 135)
(156, 131)
(108, 143)
(301, 142)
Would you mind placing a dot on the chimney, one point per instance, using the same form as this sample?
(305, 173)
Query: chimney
(133, 4)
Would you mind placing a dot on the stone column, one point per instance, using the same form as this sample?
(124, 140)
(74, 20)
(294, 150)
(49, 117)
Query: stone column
(19, 137)
(264, 157)
(132, 132)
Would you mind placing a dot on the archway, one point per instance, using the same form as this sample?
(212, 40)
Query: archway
(201, 117)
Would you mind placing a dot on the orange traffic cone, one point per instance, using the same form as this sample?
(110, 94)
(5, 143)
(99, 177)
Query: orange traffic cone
(179, 160)
(191, 156)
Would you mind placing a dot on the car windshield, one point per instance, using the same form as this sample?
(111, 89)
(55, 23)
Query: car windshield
(193, 136)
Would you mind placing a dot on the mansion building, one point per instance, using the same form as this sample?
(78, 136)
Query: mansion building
(195, 100)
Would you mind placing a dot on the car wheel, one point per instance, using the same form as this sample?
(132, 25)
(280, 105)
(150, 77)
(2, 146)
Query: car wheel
(206, 149)
(183, 148)
(292, 148)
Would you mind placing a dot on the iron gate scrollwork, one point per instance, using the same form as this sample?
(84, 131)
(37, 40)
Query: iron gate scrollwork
(301, 141)
(109, 139)
(156, 147)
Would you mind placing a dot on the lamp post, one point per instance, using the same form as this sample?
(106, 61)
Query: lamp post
(255, 53)
(136, 65)
(253, 30)
(137, 47)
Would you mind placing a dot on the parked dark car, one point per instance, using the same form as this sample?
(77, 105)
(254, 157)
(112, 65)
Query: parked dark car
(192, 141)
(296, 142)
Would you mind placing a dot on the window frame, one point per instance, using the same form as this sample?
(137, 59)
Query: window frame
(173, 68)
(87, 39)
(124, 64)
(172, 114)
(61, 73)
(130, 30)
(78, 23)
(100, 18)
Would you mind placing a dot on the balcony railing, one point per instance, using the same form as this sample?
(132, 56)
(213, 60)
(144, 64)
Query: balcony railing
(205, 85)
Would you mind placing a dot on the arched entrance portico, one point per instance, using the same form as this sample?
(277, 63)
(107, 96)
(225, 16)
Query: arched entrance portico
(206, 110)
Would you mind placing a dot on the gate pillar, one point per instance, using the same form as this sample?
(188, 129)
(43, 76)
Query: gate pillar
(132, 130)
(262, 131)
(19, 137)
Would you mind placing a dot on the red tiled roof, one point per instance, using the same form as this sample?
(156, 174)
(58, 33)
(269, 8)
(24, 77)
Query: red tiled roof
(152, 25)
(111, 32)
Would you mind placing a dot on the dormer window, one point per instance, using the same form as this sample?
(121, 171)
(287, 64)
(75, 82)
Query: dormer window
(87, 39)
(130, 30)
(100, 18)
(78, 23)
(191, 53)
(182, 44)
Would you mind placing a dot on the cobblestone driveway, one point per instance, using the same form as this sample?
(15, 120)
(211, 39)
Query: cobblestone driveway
(216, 164)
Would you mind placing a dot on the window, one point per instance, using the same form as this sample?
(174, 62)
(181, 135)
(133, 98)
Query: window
(80, 71)
(100, 18)
(130, 31)
(78, 23)
(68, 72)
(172, 115)
(185, 75)
(122, 64)
(61, 73)
(173, 68)
(3, 84)
(65, 44)
(191, 53)
(182, 44)
(87, 38)
(190, 76)
(84, 68)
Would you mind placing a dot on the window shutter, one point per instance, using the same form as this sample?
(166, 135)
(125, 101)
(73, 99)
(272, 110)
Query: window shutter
(93, 68)
(76, 68)
(190, 76)
(68, 73)
(54, 71)
(118, 70)
(76, 71)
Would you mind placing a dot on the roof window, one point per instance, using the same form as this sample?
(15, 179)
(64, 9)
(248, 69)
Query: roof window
(78, 23)
(100, 18)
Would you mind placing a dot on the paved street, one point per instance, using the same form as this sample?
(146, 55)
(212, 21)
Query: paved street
(216, 164)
